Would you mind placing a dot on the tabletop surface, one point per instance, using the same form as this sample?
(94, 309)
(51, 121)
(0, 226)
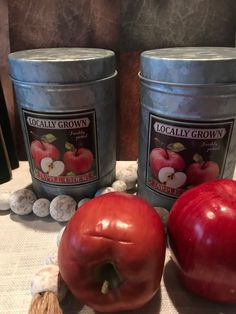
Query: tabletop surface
(26, 241)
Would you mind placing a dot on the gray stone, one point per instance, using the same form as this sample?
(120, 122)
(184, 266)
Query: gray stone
(21, 201)
(41, 207)
(62, 208)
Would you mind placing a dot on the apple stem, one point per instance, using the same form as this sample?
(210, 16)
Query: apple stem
(167, 155)
(105, 287)
(109, 277)
(36, 136)
(76, 151)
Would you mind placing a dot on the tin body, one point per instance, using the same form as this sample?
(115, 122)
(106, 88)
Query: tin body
(66, 100)
(187, 120)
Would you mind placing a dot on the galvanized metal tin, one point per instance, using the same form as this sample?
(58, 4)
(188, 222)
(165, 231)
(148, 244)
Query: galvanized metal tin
(66, 100)
(187, 120)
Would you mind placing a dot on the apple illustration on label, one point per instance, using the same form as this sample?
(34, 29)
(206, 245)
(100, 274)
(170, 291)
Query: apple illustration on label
(170, 178)
(40, 149)
(202, 172)
(160, 157)
(78, 161)
(52, 168)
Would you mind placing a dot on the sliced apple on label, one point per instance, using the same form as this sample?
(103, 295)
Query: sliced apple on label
(170, 178)
(52, 168)
(178, 180)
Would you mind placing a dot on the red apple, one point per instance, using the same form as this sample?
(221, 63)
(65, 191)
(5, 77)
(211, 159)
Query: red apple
(202, 172)
(160, 158)
(108, 257)
(41, 149)
(202, 239)
(79, 161)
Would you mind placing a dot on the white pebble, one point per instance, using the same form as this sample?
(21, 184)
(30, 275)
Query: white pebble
(4, 201)
(105, 190)
(60, 235)
(52, 258)
(21, 201)
(62, 208)
(49, 279)
(84, 200)
(41, 207)
(163, 213)
(119, 186)
(129, 176)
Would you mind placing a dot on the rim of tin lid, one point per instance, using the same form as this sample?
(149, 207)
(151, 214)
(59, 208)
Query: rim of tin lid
(189, 65)
(61, 65)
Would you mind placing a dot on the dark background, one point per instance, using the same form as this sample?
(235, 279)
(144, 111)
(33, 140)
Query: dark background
(125, 26)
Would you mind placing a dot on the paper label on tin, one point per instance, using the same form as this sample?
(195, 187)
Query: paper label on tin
(62, 147)
(184, 154)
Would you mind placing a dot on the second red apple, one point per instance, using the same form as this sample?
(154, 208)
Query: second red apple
(79, 161)
(198, 173)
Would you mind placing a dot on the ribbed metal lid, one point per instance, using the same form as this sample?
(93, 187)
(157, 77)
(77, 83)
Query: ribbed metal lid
(61, 65)
(190, 65)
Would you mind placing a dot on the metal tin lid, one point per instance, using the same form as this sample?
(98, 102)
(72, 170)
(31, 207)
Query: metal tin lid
(190, 65)
(61, 65)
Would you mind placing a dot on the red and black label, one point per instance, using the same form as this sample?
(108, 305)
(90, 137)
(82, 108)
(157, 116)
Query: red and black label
(181, 154)
(62, 147)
